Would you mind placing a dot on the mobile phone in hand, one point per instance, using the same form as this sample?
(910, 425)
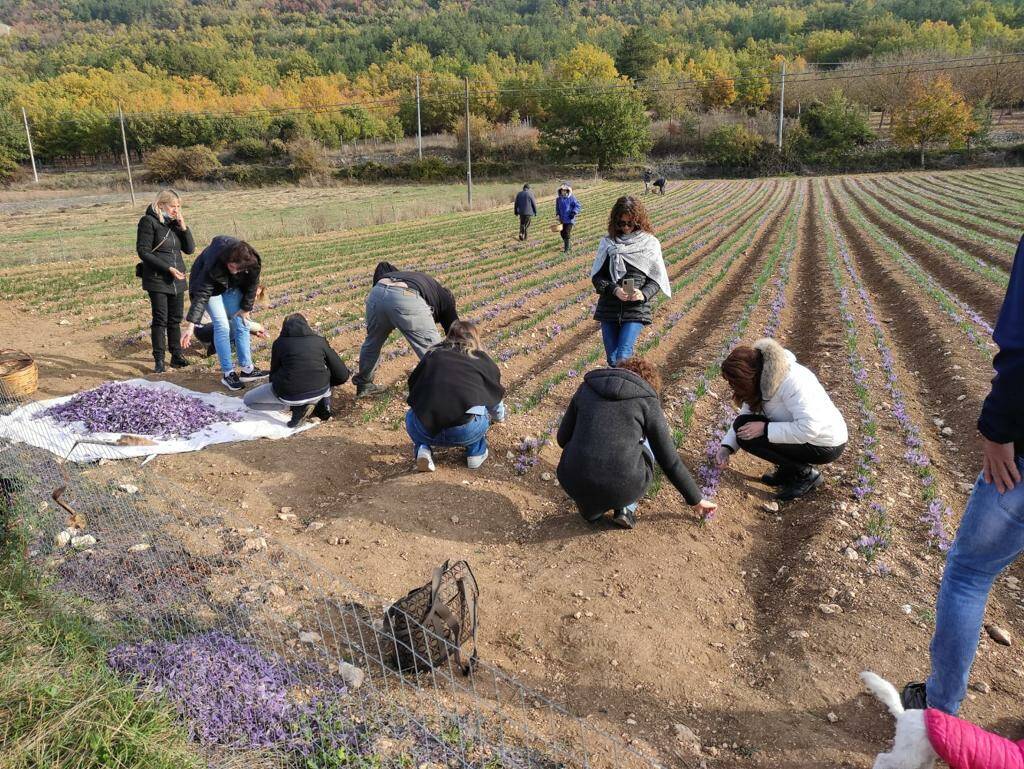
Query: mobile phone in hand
(629, 285)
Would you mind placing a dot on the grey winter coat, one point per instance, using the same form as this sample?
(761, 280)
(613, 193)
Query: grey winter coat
(526, 204)
(603, 464)
(160, 246)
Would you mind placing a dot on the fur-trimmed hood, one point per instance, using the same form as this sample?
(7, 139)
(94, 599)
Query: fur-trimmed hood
(777, 361)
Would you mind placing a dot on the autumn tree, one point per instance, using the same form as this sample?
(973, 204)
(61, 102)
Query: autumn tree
(605, 126)
(934, 113)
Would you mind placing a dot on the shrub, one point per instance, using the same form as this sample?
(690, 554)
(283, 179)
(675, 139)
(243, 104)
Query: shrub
(250, 150)
(169, 164)
(307, 158)
(733, 146)
(10, 171)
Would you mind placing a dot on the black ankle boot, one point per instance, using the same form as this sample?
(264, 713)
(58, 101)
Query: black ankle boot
(299, 415)
(803, 483)
(158, 361)
(178, 360)
(322, 411)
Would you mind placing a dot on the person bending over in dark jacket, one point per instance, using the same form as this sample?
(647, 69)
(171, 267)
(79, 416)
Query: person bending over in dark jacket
(454, 392)
(224, 282)
(991, 533)
(628, 272)
(303, 369)
(526, 209)
(612, 434)
(412, 302)
(161, 238)
(659, 185)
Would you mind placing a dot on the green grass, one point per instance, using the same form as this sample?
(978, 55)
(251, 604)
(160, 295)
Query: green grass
(60, 706)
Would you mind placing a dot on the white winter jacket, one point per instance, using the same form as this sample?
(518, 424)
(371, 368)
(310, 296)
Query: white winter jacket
(797, 406)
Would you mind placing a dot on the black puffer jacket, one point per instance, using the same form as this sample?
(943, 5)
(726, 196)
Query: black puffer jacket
(210, 277)
(610, 307)
(603, 465)
(447, 382)
(160, 246)
(302, 363)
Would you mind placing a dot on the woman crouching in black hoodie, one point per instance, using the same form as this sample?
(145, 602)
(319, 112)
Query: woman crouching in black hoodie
(303, 369)
(454, 393)
(611, 436)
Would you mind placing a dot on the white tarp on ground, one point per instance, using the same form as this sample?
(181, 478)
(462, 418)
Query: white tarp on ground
(25, 425)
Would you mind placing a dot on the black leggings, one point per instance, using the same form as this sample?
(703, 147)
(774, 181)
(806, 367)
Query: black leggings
(165, 329)
(790, 457)
(524, 225)
(566, 234)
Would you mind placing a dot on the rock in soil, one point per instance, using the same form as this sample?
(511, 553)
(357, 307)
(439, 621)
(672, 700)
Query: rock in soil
(83, 541)
(309, 637)
(981, 687)
(771, 507)
(254, 545)
(686, 736)
(286, 516)
(995, 632)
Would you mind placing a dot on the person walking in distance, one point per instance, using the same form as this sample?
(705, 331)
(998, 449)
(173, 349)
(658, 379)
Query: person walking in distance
(303, 369)
(454, 393)
(224, 282)
(647, 177)
(786, 417)
(161, 238)
(612, 436)
(526, 209)
(991, 533)
(413, 302)
(567, 208)
(628, 272)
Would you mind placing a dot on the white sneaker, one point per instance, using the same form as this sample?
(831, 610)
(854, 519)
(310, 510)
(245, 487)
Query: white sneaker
(424, 460)
(474, 462)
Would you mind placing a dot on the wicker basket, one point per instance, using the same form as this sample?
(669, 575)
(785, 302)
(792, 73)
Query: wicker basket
(556, 227)
(19, 374)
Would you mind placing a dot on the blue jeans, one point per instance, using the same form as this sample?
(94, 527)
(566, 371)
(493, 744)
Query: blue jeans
(228, 329)
(472, 435)
(619, 339)
(990, 538)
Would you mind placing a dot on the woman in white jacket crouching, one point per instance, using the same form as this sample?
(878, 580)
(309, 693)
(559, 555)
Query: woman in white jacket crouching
(786, 417)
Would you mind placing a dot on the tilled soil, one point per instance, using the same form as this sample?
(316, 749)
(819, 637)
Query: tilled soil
(715, 627)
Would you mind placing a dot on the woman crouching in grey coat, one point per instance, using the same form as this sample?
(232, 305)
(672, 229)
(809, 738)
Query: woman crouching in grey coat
(611, 436)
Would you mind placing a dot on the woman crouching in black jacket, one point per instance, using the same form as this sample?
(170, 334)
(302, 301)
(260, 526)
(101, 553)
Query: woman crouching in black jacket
(611, 435)
(303, 369)
(454, 392)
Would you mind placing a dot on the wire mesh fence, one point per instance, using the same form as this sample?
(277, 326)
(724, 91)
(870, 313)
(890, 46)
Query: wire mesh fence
(270, 660)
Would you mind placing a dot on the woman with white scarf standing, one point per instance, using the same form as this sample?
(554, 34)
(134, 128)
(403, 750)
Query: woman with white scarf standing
(628, 272)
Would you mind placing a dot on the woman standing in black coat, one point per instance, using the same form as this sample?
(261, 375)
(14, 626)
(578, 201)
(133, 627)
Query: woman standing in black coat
(628, 272)
(162, 237)
(611, 436)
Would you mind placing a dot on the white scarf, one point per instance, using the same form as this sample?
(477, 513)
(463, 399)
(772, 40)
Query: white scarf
(640, 249)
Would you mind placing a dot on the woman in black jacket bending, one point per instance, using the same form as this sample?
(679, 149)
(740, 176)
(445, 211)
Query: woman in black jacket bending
(611, 435)
(224, 282)
(303, 369)
(160, 240)
(628, 272)
(454, 392)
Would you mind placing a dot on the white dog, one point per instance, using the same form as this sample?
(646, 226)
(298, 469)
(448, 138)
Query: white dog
(911, 748)
(925, 735)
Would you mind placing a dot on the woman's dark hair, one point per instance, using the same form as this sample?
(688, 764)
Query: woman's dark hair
(628, 208)
(241, 254)
(643, 369)
(742, 370)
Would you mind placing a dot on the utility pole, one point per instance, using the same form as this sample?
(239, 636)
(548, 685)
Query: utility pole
(31, 154)
(469, 159)
(782, 101)
(419, 124)
(127, 160)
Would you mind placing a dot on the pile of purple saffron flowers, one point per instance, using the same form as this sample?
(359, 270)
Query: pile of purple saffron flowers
(115, 407)
(228, 694)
